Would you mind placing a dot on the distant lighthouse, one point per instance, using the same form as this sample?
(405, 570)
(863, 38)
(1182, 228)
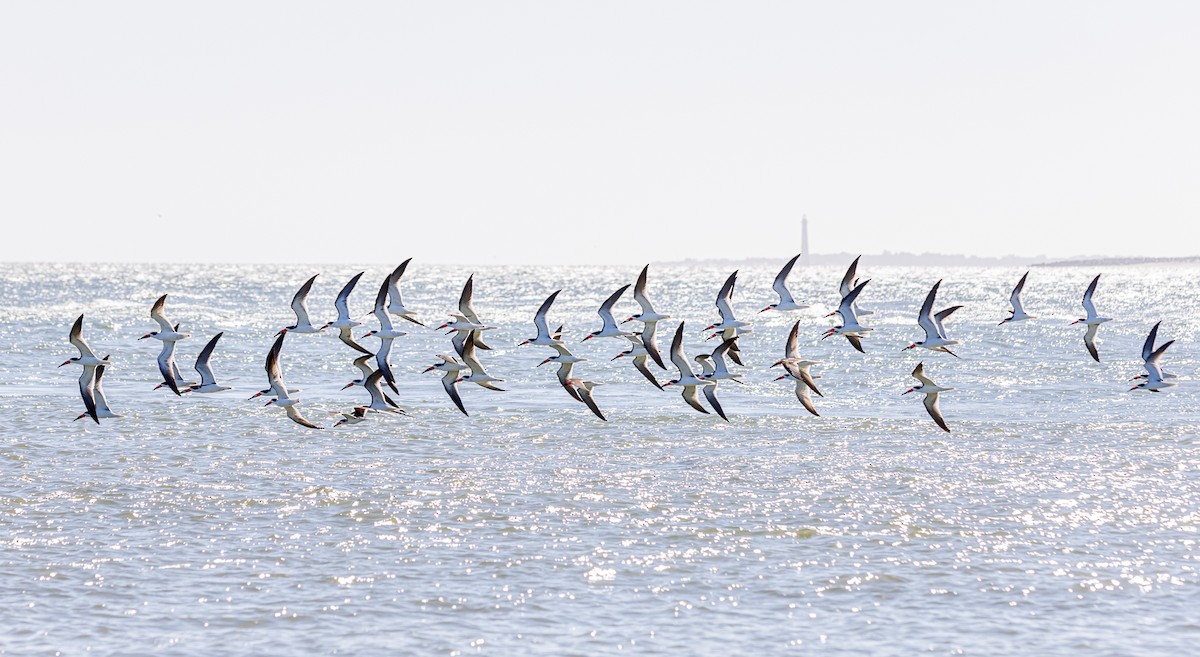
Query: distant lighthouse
(804, 239)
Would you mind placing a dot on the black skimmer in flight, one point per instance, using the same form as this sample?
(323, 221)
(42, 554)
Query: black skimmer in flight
(166, 331)
(395, 303)
(92, 391)
(353, 417)
(638, 353)
(648, 317)
(300, 307)
(279, 389)
(386, 335)
(586, 391)
(208, 382)
(451, 368)
(343, 323)
(786, 302)
(931, 391)
(692, 384)
(935, 333)
(380, 402)
(608, 327)
(86, 356)
(1093, 320)
(478, 375)
(714, 366)
(1018, 310)
(849, 282)
(566, 365)
(797, 369)
(850, 328)
(166, 367)
(468, 312)
(1154, 378)
(543, 336)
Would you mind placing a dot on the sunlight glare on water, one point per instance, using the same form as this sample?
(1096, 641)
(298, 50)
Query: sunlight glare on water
(1061, 512)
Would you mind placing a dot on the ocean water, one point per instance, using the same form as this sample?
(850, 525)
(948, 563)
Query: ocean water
(1058, 518)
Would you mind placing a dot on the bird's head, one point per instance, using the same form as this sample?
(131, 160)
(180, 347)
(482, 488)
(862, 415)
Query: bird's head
(149, 335)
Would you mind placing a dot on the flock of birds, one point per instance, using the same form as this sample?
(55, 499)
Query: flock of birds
(467, 339)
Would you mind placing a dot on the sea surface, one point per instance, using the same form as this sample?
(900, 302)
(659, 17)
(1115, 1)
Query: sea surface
(1058, 518)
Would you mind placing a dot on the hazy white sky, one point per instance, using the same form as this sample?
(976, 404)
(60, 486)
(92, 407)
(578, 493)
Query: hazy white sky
(532, 132)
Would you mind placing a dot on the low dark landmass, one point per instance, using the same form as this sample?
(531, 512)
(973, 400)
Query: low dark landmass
(1117, 262)
(941, 260)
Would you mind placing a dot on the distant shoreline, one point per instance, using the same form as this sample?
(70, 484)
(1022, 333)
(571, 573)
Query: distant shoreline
(945, 260)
